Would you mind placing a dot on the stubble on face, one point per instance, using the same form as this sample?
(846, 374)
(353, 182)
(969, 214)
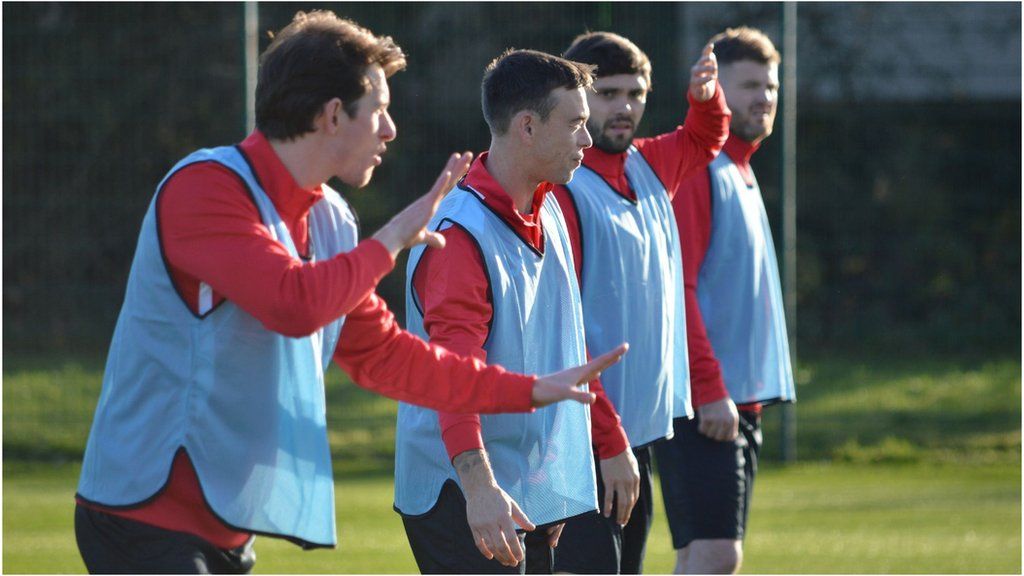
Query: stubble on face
(616, 105)
(609, 140)
(746, 84)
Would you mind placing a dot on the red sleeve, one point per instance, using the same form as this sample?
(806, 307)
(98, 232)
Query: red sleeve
(692, 206)
(211, 231)
(381, 357)
(572, 224)
(453, 290)
(605, 425)
(678, 154)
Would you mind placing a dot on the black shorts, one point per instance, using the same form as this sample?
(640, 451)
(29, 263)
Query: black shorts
(707, 484)
(112, 544)
(442, 541)
(593, 544)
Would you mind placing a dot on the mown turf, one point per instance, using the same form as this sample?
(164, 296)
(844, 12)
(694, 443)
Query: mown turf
(910, 466)
(849, 409)
(808, 518)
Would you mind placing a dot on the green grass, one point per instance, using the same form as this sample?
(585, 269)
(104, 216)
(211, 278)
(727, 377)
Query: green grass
(849, 410)
(905, 410)
(909, 465)
(807, 518)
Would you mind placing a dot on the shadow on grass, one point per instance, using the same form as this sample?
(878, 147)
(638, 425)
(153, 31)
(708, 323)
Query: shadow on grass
(904, 410)
(850, 409)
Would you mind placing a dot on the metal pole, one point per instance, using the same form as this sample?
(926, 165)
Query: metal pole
(251, 55)
(788, 176)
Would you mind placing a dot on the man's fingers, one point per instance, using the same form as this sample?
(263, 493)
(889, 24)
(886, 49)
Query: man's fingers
(625, 506)
(581, 396)
(481, 545)
(609, 499)
(709, 49)
(433, 239)
(593, 369)
(509, 551)
(520, 517)
(554, 533)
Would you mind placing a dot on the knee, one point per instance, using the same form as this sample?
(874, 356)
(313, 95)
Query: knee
(715, 557)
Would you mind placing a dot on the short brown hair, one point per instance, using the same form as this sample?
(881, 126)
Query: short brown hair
(611, 53)
(523, 80)
(744, 43)
(317, 57)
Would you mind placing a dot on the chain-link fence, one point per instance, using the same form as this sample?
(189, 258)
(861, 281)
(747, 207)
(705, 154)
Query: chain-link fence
(908, 200)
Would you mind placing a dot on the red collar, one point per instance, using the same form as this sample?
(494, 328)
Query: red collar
(526, 226)
(291, 201)
(739, 151)
(610, 167)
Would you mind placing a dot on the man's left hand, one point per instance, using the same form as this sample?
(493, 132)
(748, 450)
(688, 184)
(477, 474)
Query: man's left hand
(704, 75)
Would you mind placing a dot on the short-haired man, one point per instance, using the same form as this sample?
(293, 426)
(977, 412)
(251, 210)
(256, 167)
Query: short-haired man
(627, 253)
(739, 352)
(502, 290)
(247, 279)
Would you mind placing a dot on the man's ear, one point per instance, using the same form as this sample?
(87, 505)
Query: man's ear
(332, 116)
(524, 126)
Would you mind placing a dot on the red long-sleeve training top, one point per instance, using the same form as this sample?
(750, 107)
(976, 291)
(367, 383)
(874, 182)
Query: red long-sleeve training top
(211, 232)
(676, 157)
(452, 286)
(458, 286)
(692, 206)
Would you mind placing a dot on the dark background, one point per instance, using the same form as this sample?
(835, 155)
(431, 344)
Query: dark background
(908, 170)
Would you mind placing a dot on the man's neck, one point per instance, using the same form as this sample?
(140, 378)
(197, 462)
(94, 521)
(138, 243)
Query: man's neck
(300, 156)
(507, 170)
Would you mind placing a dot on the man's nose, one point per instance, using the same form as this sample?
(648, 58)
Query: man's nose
(586, 140)
(388, 129)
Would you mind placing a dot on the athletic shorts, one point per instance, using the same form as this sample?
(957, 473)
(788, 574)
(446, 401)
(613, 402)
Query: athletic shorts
(442, 541)
(112, 544)
(707, 484)
(593, 544)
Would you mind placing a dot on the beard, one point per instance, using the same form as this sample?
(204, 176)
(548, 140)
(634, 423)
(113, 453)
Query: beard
(749, 129)
(611, 144)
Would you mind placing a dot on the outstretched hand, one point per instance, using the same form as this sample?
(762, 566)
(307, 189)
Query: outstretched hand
(565, 385)
(409, 227)
(704, 74)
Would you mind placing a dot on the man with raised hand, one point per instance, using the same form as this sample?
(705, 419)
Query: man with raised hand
(736, 328)
(627, 254)
(503, 290)
(248, 278)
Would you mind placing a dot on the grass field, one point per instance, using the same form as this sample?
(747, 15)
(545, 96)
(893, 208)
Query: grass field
(808, 518)
(911, 467)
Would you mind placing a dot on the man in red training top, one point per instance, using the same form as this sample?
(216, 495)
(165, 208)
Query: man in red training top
(736, 328)
(248, 279)
(619, 214)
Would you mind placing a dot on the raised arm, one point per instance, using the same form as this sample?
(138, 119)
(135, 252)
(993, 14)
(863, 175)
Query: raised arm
(689, 148)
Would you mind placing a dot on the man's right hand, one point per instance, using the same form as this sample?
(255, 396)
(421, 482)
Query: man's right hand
(491, 513)
(565, 385)
(409, 227)
(719, 420)
(621, 485)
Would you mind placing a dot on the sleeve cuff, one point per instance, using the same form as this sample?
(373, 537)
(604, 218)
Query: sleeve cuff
(514, 393)
(461, 438)
(377, 257)
(708, 391)
(716, 101)
(612, 444)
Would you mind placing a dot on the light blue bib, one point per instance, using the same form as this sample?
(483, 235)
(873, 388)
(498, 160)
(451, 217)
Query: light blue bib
(633, 291)
(739, 294)
(542, 460)
(246, 403)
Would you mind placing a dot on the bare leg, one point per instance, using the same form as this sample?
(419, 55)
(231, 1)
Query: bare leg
(714, 557)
